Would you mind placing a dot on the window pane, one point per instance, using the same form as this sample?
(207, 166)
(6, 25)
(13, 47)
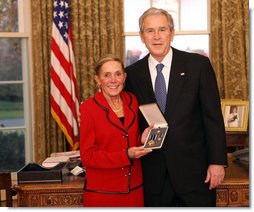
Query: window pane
(135, 49)
(8, 16)
(133, 9)
(172, 6)
(12, 150)
(194, 15)
(10, 59)
(192, 43)
(11, 106)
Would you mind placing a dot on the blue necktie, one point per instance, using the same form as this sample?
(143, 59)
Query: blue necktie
(160, 88)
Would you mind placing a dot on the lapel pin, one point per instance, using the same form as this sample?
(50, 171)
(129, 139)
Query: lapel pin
(182, 74)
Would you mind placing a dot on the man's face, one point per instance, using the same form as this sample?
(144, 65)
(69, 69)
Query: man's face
(157, 36)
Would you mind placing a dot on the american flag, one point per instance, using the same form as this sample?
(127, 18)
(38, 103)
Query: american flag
(64, 98)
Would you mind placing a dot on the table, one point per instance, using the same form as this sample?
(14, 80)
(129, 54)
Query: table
(69, 193)
(237, 141)
(233, 191)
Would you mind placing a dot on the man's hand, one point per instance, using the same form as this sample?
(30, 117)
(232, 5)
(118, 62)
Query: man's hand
(215, 174)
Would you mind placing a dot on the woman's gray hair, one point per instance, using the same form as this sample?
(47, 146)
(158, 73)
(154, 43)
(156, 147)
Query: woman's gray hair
(153, 12)
(107, 58)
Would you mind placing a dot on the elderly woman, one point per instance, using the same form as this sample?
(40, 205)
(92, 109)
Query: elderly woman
(110, 141)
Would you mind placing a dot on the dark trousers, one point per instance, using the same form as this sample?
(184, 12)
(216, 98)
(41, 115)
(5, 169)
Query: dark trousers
(202, 197)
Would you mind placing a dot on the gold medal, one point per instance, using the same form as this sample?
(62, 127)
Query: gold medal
(150, 143)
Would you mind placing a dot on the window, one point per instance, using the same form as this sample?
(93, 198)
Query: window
(15, 110)
(191, 27)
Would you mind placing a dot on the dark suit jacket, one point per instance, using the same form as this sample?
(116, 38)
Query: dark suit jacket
(196, 135)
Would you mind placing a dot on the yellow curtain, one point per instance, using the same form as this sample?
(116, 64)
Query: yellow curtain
(97, 29)
(229, 47)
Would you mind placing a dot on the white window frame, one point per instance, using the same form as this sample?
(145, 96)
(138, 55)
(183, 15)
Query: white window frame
(181, 32)
(25, 34)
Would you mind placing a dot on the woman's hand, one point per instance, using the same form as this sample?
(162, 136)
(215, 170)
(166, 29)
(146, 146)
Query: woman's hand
(145, 134)
(137, 152)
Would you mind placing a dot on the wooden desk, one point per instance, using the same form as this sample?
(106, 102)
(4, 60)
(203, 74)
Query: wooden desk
(237, 139)
(234, 190)
(66, 194)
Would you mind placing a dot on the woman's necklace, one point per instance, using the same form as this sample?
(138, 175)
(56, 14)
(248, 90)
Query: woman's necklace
(118, 110)
(113, 105)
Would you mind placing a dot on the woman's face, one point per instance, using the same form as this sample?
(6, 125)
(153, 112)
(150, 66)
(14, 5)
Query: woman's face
(111, 78)
(234, 110)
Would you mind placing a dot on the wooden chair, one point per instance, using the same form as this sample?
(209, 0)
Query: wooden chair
(5, 184)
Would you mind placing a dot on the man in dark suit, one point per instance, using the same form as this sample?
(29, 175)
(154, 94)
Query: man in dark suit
(190, 164)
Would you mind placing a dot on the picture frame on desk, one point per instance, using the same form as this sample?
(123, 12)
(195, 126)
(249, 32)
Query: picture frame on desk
(235, 114)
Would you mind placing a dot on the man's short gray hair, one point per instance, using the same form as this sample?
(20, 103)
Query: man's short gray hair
(153, 12)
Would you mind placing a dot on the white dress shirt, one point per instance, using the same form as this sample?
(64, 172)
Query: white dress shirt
(166, 69)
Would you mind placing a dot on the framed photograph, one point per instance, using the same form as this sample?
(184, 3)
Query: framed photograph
(235, 114)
